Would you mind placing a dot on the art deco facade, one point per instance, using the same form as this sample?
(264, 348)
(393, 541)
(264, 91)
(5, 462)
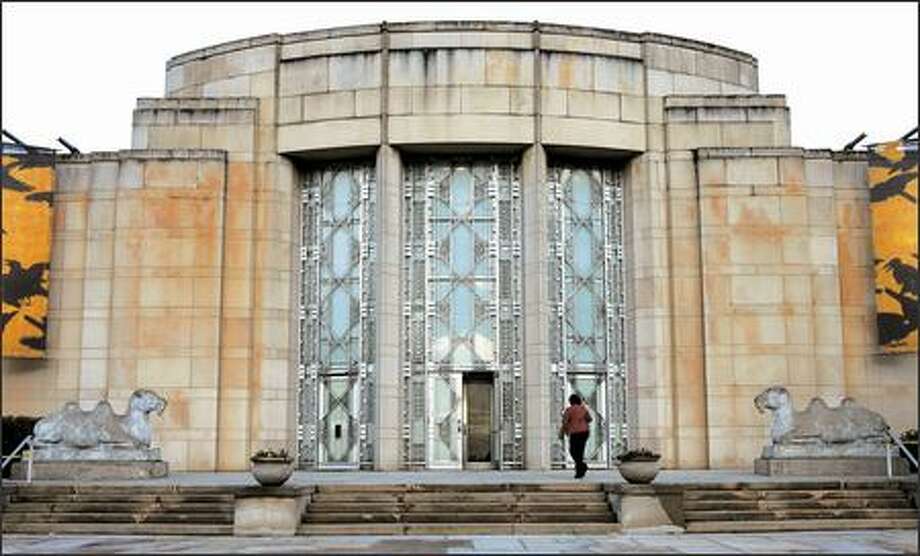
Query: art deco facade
(403, 246)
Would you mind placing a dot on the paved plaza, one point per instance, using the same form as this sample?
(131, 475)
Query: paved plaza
(655, 541)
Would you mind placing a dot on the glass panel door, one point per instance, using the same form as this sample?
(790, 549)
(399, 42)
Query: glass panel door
(445, 425)
(478, 401)
(337, 406)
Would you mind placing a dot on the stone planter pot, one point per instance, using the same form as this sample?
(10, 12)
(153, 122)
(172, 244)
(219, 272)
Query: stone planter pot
(639, 472)
(272, 472)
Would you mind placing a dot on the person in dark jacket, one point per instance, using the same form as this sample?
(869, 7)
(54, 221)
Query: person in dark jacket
(575, 423)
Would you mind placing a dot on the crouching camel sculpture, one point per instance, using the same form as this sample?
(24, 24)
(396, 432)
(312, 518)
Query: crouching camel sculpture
(72, 433)
(819, 430)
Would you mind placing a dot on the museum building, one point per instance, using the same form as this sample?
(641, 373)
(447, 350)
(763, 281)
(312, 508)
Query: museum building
(403, 245)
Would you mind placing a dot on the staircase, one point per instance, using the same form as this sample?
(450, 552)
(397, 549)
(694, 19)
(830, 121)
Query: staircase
(799, 507)
(117, 510)
(458, 509)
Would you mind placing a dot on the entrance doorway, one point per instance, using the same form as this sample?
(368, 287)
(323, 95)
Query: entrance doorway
(462, 432)
(477, 421)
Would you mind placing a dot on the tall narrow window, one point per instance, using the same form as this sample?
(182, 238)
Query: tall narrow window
(462, 307)
(337, 329)
(587, 294)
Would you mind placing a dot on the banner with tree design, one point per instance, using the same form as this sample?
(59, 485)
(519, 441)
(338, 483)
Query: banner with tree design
(28, 183)
(893, 194)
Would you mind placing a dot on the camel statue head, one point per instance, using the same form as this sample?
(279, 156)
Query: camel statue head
(146, 401)
(772, 398)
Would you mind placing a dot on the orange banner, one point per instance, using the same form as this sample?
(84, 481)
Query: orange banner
(28, 183)
(893, 193)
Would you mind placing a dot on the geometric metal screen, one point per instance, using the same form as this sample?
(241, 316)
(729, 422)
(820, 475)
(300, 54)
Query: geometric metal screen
(587, 294)
(337, 321)
(461, 308)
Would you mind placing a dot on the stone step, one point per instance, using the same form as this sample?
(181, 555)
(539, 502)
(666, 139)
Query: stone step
(840, 503)
(114, 507)
(461, 488)
(459, 529)
(116, 529)
(794, 514)
(844, 483)
(714, 495)
(113, 497)
(459, 498)
(351, 517)
(89, 488)
(798, 525)
(381, 498)
(532, 507)
(529, 497)
(140, 517)
(452, 517)
(360, 489)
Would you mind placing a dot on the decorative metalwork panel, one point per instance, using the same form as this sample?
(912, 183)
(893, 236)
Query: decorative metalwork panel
(462, 298)
(587, 289)
(337, 324)
(445, 420)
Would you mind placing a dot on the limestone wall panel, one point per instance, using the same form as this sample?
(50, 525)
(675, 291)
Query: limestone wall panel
(110, 334)
(792, 321)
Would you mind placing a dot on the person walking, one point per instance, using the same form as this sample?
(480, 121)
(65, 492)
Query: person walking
(575, 423)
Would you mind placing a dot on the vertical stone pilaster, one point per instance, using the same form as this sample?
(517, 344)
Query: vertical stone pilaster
(389, 323)
(389, 261)
(540, 425)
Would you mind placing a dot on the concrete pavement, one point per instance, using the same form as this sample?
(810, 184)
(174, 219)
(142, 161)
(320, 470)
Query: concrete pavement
(651, 541)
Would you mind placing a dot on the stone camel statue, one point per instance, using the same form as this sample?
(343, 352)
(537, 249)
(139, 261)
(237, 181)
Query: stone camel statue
(818, 423)
(74, 428)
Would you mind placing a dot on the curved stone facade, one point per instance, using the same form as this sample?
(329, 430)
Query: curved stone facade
(443, 83)
(728, 260)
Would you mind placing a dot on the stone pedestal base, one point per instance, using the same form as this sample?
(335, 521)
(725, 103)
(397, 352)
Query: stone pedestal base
(268, 511)
(90, 470)
(846, 467)
(644, 506)
(103, 452)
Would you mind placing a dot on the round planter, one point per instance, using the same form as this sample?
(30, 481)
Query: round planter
(641, 472)
(272, 473)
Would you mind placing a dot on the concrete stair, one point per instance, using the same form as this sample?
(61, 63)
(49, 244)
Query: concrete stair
(791, 506)
(458, 509)
(117, 510)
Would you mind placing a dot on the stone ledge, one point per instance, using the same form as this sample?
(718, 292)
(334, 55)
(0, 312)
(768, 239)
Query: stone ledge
(818, 153)
(91, 470)
(845, 156)
(468, 39)
(842, 467)
(223, 48)
(143, 154)
(198, 103)
(746, 152)
(301, 49)
(722, 101)
(447, 26)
